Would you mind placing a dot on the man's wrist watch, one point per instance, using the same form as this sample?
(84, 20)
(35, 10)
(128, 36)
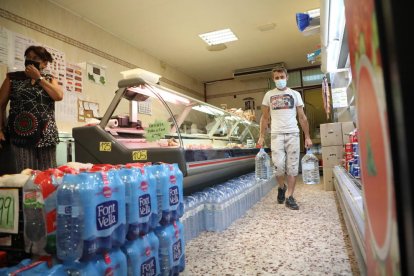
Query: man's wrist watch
(39, 80)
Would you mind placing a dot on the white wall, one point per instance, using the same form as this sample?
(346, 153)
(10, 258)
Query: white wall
(82, 42)
(223, 92)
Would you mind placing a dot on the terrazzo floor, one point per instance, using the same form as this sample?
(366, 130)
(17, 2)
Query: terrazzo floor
(271, 239)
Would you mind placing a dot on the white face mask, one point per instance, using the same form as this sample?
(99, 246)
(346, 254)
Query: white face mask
(280, 84)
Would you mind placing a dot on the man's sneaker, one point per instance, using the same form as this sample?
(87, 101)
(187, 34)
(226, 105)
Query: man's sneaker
(281, 194)
(291, 203)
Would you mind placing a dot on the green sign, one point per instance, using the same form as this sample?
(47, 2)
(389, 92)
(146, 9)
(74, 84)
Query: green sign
(9, 210)
(157, 130)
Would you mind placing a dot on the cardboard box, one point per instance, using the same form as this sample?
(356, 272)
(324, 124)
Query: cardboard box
(347, 127)
(331, 134)
(328, 179)
(332, 156)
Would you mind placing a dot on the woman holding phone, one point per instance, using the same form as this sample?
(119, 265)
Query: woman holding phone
(31, 125)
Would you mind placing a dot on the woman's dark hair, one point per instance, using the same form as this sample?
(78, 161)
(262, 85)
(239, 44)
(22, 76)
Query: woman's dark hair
(40, 51)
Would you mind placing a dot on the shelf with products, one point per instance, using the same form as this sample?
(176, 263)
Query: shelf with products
(350, 198)
(208, 143)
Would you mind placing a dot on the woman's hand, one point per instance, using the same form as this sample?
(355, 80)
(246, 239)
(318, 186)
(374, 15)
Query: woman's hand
(32, 72)
(2, 137)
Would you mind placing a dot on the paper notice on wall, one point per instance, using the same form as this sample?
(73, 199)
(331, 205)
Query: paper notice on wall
(20, 44)
(66, 109)
(57, 68)
(339, 97)
(5, 55)
(74, 80)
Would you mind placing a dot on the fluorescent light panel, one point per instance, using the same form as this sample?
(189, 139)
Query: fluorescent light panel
(167, 96)
(208, 110)
(218, 37)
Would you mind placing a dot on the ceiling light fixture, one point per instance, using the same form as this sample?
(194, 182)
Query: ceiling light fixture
(218, 37)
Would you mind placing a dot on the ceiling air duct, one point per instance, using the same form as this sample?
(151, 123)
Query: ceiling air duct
(256, 72)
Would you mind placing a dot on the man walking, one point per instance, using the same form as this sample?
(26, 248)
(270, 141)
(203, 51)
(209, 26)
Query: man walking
(282, 105)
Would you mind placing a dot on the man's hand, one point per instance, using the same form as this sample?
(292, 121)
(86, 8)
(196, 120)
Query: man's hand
(260, 141)
(308, 143)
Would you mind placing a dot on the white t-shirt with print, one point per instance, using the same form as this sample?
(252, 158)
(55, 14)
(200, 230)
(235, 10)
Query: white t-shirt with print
(282, 107)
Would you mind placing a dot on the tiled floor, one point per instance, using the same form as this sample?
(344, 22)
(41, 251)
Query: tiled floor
(273, 240)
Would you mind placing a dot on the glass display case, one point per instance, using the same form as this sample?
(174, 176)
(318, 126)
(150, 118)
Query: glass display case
(146, 122)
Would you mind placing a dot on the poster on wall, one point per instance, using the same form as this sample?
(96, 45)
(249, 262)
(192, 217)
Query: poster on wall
(74, 81)
(57, 68)
(96, 73)
(381, 228)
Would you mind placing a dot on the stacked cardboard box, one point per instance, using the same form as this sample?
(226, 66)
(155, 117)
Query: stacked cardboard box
(333, 138)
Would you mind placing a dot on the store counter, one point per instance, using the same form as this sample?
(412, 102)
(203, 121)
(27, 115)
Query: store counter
(150, 123)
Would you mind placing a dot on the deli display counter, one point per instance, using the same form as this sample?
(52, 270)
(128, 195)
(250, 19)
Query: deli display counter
(146, 122)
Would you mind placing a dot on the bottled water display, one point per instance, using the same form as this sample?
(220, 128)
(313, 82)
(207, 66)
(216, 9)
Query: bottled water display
(111, 220)
(262, 165)
(70, 221)
(310, 168)
(215, 208)
(102, 195)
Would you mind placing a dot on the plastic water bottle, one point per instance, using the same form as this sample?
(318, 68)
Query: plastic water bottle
(142, 255)
(70, 223)
(34, 216)
(113, 262)
(262, 164)
(171, 248)
(310, 168)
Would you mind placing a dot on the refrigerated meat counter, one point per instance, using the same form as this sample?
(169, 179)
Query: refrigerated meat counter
(146, 122)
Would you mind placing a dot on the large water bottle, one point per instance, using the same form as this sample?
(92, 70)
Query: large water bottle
(310, 168)
(162, 183)
(139, 202)
(152, 185)
(262, 164)
(70, 223)
(34, 216)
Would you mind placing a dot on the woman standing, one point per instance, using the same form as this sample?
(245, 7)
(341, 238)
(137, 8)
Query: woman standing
(31, 125)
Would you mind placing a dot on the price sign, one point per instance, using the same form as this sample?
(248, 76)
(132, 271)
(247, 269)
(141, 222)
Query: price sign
(139, 155)
(157, 130)
(9, 210)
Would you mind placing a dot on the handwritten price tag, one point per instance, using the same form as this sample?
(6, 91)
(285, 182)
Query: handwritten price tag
(157, 130)
(9, 210)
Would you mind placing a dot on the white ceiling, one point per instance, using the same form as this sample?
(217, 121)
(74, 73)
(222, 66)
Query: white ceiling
(168, 30)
